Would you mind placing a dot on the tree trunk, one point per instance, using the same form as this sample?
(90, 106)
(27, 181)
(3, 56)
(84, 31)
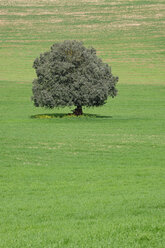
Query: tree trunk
(78, 111)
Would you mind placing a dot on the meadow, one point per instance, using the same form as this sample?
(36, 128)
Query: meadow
(95, 181)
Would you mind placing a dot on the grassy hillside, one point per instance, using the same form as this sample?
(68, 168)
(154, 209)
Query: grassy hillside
(129, 35)
(95, 181)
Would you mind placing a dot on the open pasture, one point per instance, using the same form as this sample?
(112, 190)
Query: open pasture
(92, 181)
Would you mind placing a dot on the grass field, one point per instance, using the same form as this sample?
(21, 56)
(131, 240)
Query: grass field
(95, 181)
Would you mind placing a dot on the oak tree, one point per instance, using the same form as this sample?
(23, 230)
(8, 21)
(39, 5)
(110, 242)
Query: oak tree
(72, 75)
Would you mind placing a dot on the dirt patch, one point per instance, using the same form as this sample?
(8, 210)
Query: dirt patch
(3, 23)
(3, 12)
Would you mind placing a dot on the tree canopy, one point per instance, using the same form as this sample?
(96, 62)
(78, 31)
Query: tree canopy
(72, 75)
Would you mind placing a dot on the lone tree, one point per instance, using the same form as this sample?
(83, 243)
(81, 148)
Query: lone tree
(72, 75)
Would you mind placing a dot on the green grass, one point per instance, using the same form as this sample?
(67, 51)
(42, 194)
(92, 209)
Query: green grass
(95, 181)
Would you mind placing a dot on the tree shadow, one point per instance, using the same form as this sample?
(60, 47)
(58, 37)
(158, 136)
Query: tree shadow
(62, 115)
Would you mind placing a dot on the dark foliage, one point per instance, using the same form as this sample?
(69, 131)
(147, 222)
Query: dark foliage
(72, 75)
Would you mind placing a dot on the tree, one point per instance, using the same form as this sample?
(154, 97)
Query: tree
(72, 75)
